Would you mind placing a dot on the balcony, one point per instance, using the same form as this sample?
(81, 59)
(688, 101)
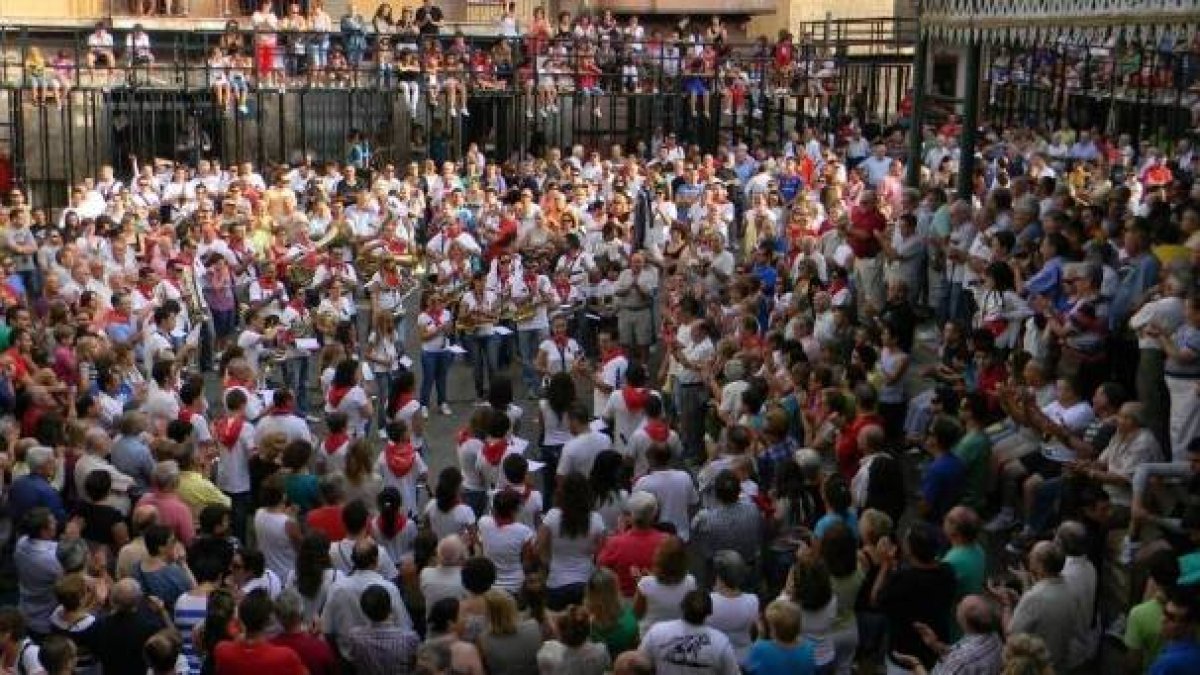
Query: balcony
(723, 7)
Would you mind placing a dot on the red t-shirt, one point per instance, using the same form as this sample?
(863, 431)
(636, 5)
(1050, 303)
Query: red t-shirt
(256, 658)
(624, 552)
(847, 445)
(870, 222)
(328, 521)
(314, 652)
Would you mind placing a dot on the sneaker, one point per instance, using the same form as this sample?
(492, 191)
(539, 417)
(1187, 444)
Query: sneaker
(446, 410)
(597, 113)
(244, 109)
(464, 112)
(453, 112)
(383, 434)
(757, 113)
(529, 113)
(1003, 521)
(425, 412)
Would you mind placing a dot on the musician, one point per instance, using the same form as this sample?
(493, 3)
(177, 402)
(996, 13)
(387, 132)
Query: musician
(335, 268)
(575, 261)
(347, 395)
(558, 353)
(479, 309)
(454, 273)
(218, 292)
(434, 327)
(363, 216)
(609, 375)
(387, 289)
(267, 291)
(453, 234)
(256, 337)
(532, 294)
(158, 340)
(294, 321)
(636, 290)
(342, 307)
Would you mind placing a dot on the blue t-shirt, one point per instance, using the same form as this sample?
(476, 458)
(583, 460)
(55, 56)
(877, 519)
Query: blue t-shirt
(1181, 657)
(942, 484)
(848, 519)
(789, 186)
(766, 657)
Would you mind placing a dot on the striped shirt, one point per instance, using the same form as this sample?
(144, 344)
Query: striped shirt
(382, 649)
(190, 611)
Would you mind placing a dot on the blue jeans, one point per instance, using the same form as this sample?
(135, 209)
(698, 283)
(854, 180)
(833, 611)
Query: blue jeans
(527, 345)
(484, 352)
(383, 382)
(434, 368)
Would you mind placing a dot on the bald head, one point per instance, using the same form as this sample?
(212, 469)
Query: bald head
(977, 615)
(451, 551)
(126, 594)
(632, 663)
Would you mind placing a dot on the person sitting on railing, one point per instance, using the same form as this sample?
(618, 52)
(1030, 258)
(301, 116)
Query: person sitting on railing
(137, 47)
(100, 45)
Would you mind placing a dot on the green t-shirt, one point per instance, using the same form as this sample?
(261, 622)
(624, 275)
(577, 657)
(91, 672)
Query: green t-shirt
(975, 451)
(621, 636)
(1143, 631)
(5, 337)
(970, 565)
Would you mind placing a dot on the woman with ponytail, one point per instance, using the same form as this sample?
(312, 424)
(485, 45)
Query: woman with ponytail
(393, 529)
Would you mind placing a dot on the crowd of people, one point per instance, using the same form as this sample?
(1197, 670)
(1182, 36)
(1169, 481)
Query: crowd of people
(787, 415)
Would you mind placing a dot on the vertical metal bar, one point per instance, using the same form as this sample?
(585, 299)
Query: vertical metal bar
(970, 123)
(916, 125)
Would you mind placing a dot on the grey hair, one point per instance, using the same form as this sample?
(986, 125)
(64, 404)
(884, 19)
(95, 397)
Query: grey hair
(289, 607)
(38, 457)
(451, 551)
(1135, 410)
(729, 568)
(126, 594)
(72, 555)
(1071, 537)
(643, 511)
(166, 474)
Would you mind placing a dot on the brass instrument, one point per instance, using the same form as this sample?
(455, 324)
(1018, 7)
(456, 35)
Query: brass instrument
(469, 321)
(325, 323)
(190, 290)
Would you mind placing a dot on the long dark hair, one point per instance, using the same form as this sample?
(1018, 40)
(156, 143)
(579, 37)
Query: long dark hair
(311, 563)
(345, 374)
(390, 503)
(606, 480)
(560, 393)
(575, 500)
(448, 485)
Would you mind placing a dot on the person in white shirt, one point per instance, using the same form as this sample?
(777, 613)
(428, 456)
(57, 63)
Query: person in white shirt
(579, 453)
(532, 293)
(674, 489)
(506, 541)
(692, 350)
(346, 395)
(569, 538)
(625, 410)
(610, 373)
(479, 309)
(688, 647)
(636, 290)
(433, 326)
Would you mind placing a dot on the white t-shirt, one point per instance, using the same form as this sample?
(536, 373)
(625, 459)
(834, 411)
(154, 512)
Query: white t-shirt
(735, 617)
(1076, 418)
(468, 462)
(233, 469)
(352, 404)
(662, 600)
(676, 494)
(406, 484)
(488, 304)
(678, 648)
(555, 431)
(579, 453)
(640, 442)
(560, 360)
(454, 521)
(571, 558)
(427, 321)
(624, 421)
(503, 545)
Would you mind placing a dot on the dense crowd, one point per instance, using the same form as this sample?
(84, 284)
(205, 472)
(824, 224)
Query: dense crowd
(786, 414)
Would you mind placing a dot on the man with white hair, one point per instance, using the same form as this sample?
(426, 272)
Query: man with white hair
(1079, 575)
(444, 580)
(634, 548)
(38, 570)
(34, 489)
(95, 458)
(173, 512)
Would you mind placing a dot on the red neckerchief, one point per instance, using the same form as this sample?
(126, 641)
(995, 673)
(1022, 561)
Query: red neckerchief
(657, 430)
(396, 246)
(231, 382)
(401, 522)
(493, 451)
(229, 430)
(504, 275)
(186, 415)
(311, 260)
(336, 394)
(334, 442)
(563, 288)
(531, 282)
(267, 284)
(281, 410)
(400, 458)
(635, 398)
(390, 279)
(561, 341)
(436, 316)
(146, 289)
(116, 317)
(610, 354)
(402, 400)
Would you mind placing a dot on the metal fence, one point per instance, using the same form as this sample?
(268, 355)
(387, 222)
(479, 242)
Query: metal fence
(106, 113)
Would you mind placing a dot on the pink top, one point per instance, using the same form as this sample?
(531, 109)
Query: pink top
(173, 513)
